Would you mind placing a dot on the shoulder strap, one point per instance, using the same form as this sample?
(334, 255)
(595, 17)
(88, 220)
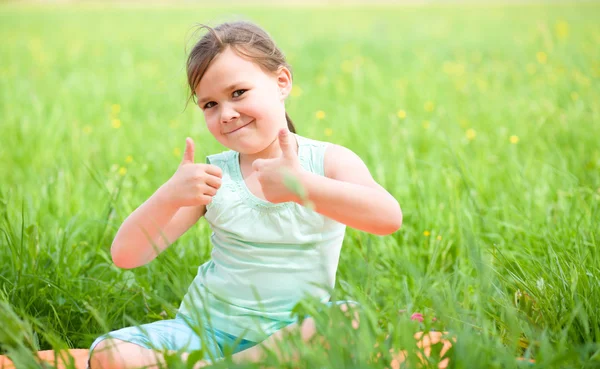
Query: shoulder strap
(219, 159)
(312, 154)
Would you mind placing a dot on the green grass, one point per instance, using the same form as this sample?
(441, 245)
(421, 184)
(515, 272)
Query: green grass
(428, 96)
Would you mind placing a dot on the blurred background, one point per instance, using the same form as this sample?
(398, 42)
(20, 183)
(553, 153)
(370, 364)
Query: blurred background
(481, 118)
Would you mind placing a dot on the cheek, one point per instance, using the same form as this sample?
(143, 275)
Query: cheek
(252, 107)
(212, 123)
(263, 107)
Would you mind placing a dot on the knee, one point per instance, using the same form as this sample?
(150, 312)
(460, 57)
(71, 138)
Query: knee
(103, 355)
(308, 329)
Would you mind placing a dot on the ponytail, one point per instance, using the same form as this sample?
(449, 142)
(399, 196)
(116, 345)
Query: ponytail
(290, 124)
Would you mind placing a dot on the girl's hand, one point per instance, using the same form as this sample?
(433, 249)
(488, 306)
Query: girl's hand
(192, 184)
(279, 177)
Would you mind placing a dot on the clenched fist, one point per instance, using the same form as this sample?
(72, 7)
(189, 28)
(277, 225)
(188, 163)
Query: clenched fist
(193, 184)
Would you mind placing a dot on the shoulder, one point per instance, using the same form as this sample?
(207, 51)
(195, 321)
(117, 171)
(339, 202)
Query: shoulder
(343, 164)
(336, 159)
(339, 158)
(311, 154)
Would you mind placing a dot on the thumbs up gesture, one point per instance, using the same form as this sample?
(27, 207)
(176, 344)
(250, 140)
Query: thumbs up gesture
(279, 177)
(193, 184)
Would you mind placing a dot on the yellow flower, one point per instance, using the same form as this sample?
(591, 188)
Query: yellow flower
(581, 78)
(439, 238)
(116, 123)
(447, 67)
(514, 139)
(35, 44)
(347, 66)
(320, 114)
(482, 85)
(541, 56)
(426, 124)
(426, 233)
(115, 109)
(401, 114)
(87, 130)
(122, 171)
(328, 132)
(428, 106)
(561, 30)
(471, 134)
(296, 91)
(574, 96)
(453, 68)
(177, 151)
(129, 159)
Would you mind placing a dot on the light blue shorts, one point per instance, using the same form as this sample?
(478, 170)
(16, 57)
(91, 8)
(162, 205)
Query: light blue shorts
(180, 335)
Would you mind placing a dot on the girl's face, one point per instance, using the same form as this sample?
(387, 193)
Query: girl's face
(243, 105)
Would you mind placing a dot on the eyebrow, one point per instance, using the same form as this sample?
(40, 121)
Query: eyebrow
(228, 88)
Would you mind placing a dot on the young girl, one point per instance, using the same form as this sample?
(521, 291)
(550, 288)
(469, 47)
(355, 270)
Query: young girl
(269, 249)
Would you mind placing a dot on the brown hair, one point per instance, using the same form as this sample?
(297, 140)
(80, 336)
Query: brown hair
(246, 39)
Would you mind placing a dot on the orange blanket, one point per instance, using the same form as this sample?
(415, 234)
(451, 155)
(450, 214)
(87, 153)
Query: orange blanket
(79, 356)
(65, 359)
(62, 359)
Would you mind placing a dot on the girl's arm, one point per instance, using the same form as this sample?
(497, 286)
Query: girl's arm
(349, 194)
(168, 213)
(150, 229)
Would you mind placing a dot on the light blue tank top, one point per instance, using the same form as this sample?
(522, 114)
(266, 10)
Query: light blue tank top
(265, 256)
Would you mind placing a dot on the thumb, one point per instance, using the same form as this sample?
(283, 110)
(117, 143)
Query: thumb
(257, 164)
(284, 143)
(188, 155)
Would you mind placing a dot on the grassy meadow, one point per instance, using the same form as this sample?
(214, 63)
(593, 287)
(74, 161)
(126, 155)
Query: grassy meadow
(483, 121)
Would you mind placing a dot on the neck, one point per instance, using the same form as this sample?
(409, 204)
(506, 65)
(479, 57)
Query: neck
(270, 152)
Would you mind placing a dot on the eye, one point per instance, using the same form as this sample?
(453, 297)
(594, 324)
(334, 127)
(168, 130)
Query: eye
(209, 105)
(238, 93)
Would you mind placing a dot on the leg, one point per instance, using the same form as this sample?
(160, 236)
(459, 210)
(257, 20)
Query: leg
(307, 330)
(145, 346)
(117, 354)
(257, 353)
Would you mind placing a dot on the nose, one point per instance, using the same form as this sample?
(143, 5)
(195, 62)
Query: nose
(228, 113)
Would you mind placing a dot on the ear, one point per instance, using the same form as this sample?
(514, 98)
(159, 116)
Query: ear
(284, 81)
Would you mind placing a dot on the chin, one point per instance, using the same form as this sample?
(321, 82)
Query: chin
(246, 148)
(249, 150)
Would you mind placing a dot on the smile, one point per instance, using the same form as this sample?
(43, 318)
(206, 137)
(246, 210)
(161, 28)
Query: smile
(237, 129)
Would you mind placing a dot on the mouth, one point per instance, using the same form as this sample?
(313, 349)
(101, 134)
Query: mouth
(237, 129)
